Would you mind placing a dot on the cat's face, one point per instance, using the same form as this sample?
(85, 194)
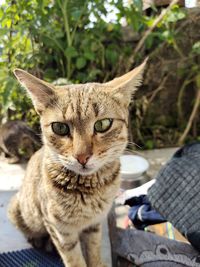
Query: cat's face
(84, 126)
(86, 129)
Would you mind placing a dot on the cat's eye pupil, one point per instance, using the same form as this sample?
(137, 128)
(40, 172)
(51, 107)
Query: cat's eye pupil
(98, 125)
(102, 126)
(60, 128)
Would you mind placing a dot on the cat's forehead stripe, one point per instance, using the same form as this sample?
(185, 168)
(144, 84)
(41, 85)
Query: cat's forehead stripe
(81, 102)
(95, 108)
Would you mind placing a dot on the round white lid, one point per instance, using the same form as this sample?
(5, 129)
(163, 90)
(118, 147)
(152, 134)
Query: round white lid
(133, 165)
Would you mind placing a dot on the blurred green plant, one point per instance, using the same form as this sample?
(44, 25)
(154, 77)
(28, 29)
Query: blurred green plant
(53, 39)
(77, 41)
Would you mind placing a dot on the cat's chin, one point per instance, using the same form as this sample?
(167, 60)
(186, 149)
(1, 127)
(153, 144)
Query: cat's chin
(83, 171)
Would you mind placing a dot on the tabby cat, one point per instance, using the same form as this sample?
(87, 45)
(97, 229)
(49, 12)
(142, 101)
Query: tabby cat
(70, 183)
(18, 141)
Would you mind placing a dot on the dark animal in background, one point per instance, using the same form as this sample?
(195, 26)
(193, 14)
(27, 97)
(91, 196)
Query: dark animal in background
(18, 141)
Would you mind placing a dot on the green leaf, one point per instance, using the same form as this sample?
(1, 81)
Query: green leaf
(8, 23)
(138, 4)
(175, 15)
(150, 22)
(110, 27)
(80, 62)
(16, 17)
(1, 13)
(89, 55)
(71, 52)
(196, 48)
(111, 56)
(149, 41)
(198, 81)
(93, 73)
(3, 31)
(149, 144)
(94, 46)
(76, 14)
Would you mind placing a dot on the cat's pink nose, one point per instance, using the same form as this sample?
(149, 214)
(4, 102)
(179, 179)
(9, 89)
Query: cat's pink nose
(83, 158)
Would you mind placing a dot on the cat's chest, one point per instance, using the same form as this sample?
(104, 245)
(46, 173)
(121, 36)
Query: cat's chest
(81, 209)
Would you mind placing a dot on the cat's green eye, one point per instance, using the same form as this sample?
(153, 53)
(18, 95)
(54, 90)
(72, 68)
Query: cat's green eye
(60, 128)
(102, 126)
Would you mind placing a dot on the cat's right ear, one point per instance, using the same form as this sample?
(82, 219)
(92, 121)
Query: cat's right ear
(41, 93)
(124, 87)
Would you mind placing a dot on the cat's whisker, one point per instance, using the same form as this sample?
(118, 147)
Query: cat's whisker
(134, 144)
(111, 152)
(54, 159)
(64, 159)
(68, 163)
(134, 152)
(55, 162)
(53, 156)
(116, 145)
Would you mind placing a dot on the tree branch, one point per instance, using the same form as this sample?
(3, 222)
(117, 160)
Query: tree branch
(191, 119)
(148, 32)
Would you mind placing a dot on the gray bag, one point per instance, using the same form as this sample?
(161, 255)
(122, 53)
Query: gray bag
(176, 192)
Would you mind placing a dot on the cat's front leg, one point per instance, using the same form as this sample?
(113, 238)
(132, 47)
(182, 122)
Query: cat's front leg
(91, 239)
(68, 246)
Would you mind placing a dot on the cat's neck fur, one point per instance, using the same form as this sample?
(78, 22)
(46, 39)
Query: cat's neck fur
(69, 181)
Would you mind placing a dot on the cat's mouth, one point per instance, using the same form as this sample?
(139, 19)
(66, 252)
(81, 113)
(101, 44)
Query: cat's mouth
(88, 169)
(85, 170)
(82, 170)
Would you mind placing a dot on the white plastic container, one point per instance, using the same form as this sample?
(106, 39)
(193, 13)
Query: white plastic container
(133, 166)
(133, 171)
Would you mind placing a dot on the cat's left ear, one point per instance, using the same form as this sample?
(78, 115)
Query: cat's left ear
(124, 87)
(41, 93)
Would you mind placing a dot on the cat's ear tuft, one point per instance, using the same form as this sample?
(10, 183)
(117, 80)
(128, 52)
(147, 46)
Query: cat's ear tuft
(41, 93)
(124, 87)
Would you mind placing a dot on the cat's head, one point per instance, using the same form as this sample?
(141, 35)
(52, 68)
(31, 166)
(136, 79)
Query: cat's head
(84, 126)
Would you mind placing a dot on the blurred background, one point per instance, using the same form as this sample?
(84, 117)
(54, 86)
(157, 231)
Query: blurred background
(76, 41)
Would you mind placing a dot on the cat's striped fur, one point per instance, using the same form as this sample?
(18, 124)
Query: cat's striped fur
(60, 197)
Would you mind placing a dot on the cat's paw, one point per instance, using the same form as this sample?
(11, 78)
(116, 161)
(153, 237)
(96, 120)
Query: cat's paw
(43, 243)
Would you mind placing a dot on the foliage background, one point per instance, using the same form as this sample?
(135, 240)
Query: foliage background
(79, 41)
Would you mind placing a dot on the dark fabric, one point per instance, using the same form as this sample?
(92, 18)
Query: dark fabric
(176, 193)
(141, 213)
(194, 238)
(149, 250)
(28, 258)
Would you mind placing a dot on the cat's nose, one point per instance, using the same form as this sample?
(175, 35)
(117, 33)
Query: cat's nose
(83, 158)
